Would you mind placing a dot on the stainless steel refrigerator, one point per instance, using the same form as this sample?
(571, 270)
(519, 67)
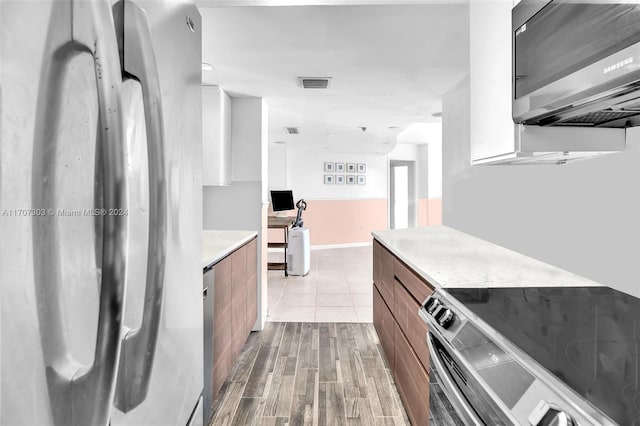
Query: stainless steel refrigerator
(100, 222)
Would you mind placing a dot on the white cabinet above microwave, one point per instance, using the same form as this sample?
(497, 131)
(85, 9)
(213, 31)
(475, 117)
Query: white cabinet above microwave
(495, 139)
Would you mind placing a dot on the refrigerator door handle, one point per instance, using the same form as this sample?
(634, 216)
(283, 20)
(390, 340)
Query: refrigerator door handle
(80, 395)
(139, 345)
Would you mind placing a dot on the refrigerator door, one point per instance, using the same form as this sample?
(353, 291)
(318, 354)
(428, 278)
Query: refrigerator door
(62, 260)
(160, 373)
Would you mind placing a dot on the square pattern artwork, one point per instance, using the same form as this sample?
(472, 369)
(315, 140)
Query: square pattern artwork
(345, 173)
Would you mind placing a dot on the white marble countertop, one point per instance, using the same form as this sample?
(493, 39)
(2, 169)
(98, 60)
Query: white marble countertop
(449, 258)
(218, 244)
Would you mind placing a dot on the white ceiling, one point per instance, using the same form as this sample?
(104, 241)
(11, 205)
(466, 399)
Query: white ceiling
(390, 65)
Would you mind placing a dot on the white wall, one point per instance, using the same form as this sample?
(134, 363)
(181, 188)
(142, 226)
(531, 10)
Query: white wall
(277, 167)
(434, 170)
(303, 172)
(246, 128)
(216, 136)
(305, 175)
(422, 155)
(583, 217)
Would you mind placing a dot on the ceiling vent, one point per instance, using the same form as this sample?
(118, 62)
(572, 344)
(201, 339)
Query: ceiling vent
(314, 82)
(292, 130)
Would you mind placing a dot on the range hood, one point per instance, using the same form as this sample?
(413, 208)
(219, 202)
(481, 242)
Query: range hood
(559, 145)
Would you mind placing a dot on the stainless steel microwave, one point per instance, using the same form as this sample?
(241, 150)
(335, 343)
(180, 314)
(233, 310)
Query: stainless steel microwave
(576, 63)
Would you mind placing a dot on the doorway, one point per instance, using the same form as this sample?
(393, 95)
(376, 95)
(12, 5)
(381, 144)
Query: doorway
(403, 205)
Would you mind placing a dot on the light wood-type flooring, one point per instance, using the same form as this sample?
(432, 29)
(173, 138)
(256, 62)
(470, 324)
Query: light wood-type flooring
(311, 374)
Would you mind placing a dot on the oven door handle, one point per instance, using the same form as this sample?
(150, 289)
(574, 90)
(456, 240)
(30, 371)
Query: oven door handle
(450, 388)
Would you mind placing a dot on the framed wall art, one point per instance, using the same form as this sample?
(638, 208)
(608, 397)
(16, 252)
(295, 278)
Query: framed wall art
(328, 167)
(351, 180)
(328, 179)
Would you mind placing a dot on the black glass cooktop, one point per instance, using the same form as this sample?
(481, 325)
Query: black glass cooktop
(588, 337)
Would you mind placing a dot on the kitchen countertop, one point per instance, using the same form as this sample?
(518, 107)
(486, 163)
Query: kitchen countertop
(218, 244)
(449, 258)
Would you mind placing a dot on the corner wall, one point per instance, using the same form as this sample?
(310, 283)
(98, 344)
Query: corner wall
(583, 216)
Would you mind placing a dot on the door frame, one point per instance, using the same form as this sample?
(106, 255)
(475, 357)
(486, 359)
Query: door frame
(412, 196)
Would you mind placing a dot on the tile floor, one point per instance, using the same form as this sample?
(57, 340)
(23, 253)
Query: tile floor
(338, 288)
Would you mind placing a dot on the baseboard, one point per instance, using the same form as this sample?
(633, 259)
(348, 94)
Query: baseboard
(335, 246)
(325, 247)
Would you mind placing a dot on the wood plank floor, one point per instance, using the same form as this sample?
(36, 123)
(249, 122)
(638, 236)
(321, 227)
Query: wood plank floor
(310, 374)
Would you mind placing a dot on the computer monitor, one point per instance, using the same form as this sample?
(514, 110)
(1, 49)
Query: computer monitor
(282, 200)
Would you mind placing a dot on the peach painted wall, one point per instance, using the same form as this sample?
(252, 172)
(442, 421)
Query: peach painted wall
(429, 211)
(333, 222)
(341, 221)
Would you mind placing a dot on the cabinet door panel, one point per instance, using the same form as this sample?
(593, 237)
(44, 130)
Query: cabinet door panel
(252, 284)
(387, 263)
(222, 334)
(412, 381)
(385, 326)
(377, 267)
(221, 371)
(252, 257)
(252, 302)
(238, 299)
(406, 313)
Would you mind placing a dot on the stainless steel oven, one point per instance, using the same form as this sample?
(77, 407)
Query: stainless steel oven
(546, 372)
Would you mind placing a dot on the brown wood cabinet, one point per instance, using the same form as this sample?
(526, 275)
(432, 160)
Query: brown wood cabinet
(222, 336)
(252, 285)
(234, 290)
(238, 300)
(397, 296)
(385, 326)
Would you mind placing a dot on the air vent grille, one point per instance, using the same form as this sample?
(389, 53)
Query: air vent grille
(292, 130)
(599, 117)
(314, 82)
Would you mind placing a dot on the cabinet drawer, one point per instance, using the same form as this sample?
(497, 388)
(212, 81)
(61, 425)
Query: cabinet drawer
(406, 313)
(418, 288)
(412, 381)
(385, 327)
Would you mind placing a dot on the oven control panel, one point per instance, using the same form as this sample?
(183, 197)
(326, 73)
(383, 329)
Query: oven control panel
(434, 310)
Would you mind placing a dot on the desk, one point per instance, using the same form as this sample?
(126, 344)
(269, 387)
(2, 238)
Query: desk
(280, 222)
